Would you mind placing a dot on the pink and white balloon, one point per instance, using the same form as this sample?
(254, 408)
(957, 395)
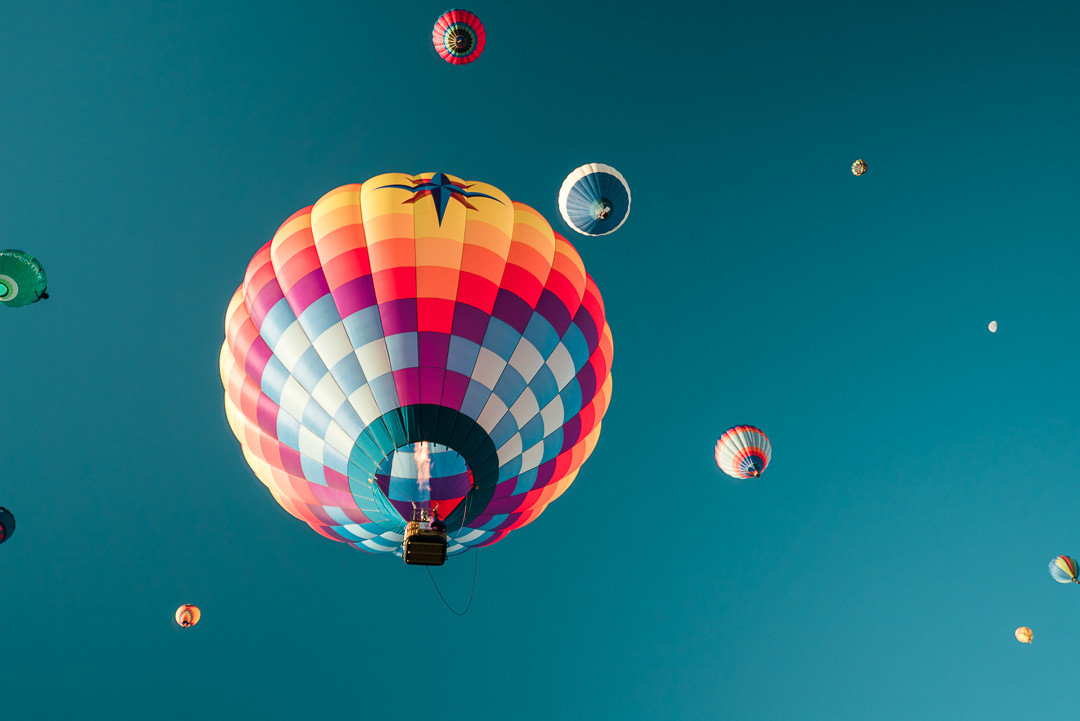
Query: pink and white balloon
(743, 452)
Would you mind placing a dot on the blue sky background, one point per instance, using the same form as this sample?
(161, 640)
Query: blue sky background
(923, 469)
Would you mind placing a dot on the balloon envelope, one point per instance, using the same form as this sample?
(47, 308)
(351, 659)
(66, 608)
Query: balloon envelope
(22, 279)
(595, 199)
(859, 167)
(459, 37)
(743, 452)
(188, 615)
(1023, 634)
(416, 311)
(993, 326)
(1063, 569)
(7, 524)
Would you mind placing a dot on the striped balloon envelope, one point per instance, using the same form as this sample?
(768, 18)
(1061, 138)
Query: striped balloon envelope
(7, 524)
(1063, 569)
(416, 344)
(595, 199)
(187, 615)
(743, 452)
(459, 37)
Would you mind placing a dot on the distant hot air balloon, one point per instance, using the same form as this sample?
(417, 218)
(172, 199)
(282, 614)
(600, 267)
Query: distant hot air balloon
(993, 326)
(188, 615)
(1063, 569)
(416, 345)
(743, 452)
(459, 37)
(1023, 634)
(22, 279)
(859, 167)
(595, 199)
(7, 524)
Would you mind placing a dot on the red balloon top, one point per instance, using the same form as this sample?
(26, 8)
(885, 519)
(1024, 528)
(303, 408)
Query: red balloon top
(459, 37)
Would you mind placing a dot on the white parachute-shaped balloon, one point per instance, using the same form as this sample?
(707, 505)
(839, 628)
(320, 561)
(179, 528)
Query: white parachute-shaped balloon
(595, 199)
(993, 326)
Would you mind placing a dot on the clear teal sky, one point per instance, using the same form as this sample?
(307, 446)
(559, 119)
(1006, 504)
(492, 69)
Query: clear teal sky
(924, 471)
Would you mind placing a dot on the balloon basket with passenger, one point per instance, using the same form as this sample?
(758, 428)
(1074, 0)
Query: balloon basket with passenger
(425, 541)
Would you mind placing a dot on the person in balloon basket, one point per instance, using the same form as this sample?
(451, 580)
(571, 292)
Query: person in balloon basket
(436, 522)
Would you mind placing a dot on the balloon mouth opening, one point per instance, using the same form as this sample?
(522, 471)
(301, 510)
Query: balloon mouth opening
(602, 209)
(8, 288)
(424, 481)
(382, 465)
(460, 42)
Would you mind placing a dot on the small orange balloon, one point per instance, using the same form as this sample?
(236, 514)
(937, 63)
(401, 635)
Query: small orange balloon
(1024, 634)
(188, 615)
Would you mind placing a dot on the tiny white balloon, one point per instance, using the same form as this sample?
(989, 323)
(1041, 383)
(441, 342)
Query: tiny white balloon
(993, 326)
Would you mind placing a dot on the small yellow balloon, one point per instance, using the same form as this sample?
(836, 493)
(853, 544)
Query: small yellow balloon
(1024, 634)
(187, 615)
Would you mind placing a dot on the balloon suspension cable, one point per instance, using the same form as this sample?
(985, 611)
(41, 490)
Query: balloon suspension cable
(464, 512)
(475, 552)
(472, 592)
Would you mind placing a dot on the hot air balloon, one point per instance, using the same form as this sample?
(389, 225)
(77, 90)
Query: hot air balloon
(459, 37)
(595, 199)
(22, 279)
(993, 326)
(743, 452)
(1023, 634)
(859, 167)
(415, 311)
(7, 524)
(188, 615)
(1063, 569)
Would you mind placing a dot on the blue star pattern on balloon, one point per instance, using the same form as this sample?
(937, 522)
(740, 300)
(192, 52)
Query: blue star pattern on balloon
(441, 189)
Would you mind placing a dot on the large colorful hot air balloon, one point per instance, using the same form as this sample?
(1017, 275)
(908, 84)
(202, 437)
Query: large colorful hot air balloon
(416, 348)
(595, 199)
(743, 452)
(1063, 569)
(188, 615)
(22, 279)
(859, 167)
(459, 37)
(7, 524)
(1024, 634)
